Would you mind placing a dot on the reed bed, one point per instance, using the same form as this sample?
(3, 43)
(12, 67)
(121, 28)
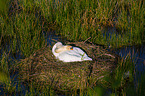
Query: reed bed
(76, 20)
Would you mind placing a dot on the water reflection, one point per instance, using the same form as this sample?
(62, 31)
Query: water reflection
(52, 38)
(136, 52)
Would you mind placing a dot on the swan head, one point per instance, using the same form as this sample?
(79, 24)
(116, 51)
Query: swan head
(63, 48)
(58, 48)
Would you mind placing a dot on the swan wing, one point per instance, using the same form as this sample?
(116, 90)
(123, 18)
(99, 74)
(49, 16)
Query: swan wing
(73, 55)
(80, 53)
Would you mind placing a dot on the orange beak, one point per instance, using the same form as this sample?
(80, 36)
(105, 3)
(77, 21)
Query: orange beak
(71, 48)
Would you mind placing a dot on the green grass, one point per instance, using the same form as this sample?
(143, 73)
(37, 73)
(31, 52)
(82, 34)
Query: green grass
(22, 24)
(76, 20)
(79, 20)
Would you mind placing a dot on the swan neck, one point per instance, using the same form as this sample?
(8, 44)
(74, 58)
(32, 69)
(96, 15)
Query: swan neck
(53, 50)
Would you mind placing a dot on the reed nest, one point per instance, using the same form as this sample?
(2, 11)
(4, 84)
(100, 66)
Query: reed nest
(43, 68)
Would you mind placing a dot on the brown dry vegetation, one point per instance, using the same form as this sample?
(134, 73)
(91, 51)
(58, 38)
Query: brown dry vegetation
(43, 68)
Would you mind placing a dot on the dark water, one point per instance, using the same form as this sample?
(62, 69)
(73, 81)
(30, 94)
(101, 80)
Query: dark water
(137, 52)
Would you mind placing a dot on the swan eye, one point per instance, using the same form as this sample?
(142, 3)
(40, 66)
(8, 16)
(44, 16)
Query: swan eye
(69, 47)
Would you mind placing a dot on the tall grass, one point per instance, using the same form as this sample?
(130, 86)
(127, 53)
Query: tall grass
(5, 81)
(140, 85)
(131, 21)
(124, 75)
(79, 20)
(22, 29)
(76, 20)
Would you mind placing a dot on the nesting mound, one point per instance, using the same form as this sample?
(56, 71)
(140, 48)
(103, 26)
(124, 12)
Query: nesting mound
(42, 67)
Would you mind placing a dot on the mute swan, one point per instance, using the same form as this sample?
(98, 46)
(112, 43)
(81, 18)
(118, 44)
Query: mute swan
(68, 53)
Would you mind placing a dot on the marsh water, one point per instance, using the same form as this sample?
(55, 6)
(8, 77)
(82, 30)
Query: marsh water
(136, 52)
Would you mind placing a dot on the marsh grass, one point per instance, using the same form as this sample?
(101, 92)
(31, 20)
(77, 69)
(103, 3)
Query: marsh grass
(5, 81)
(80, 20)
(124, 74)
(22, 23)
(140, 85)
(76, 20)
(4, 72)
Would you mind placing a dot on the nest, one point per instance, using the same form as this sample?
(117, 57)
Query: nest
(43, 67)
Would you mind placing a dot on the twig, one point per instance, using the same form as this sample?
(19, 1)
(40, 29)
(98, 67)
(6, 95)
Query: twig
(54, 40)
(110, 55)
(87, 39)
(107, 54)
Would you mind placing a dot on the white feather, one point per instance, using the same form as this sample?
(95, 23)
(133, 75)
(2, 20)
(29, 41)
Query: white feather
(69, 55)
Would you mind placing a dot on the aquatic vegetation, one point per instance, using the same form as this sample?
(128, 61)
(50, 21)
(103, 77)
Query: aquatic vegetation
(79, 20)
(76, 20)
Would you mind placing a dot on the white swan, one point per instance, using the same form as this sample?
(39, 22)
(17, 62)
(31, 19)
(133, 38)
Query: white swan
(68, 53)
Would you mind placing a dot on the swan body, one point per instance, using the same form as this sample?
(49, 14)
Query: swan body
(68, 53)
